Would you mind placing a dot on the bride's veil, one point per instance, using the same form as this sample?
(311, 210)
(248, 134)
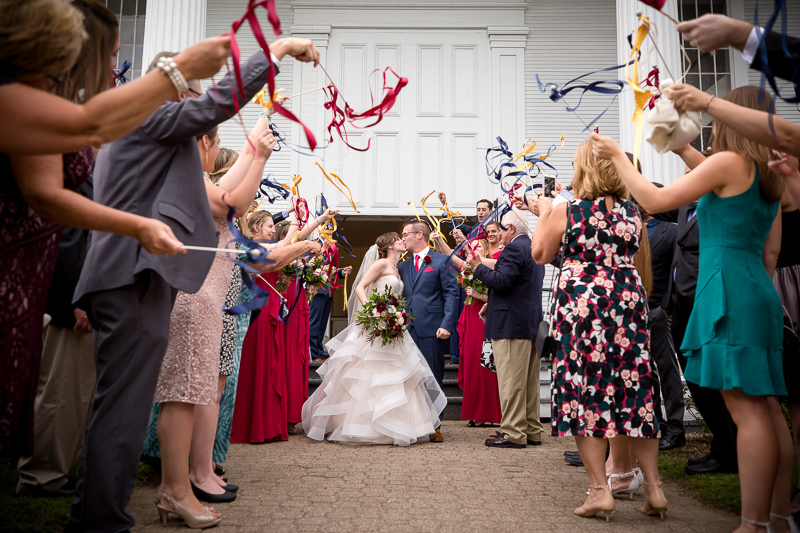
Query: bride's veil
(353, 303)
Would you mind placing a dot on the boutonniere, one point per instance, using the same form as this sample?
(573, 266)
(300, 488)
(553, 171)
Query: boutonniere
(427, 260)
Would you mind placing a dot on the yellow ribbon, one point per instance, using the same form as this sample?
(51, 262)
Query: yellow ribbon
(527, 150)
(641, 96)
(259, 98)
(348, 194)
(345, 292)
(415, 210)
(435, 224)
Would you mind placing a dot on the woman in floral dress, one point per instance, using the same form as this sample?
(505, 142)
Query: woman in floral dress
(602, 385)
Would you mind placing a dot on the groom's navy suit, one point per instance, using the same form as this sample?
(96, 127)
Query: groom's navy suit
(432, 298)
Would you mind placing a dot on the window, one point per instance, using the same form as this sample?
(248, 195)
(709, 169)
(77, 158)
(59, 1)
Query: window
(710, 73)
(131, 15)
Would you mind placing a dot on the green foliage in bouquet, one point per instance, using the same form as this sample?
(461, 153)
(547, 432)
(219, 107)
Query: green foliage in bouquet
(466, 278)
(384, 317)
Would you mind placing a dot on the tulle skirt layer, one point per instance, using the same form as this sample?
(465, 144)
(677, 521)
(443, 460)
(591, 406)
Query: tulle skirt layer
(373, 394)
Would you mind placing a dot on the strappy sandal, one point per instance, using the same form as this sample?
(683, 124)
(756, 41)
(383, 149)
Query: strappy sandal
(765, 525)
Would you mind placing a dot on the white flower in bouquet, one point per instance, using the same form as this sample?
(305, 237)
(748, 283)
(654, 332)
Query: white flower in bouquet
(398, 314)
(317, 271)
(375, 312)
(324, 277)
(470, 277)
(391, 310)
(400, 320)
(382, 325)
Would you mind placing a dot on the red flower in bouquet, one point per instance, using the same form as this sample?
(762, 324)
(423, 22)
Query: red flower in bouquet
(383, 316)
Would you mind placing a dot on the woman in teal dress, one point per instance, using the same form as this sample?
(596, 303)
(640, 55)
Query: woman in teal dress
(733, 341)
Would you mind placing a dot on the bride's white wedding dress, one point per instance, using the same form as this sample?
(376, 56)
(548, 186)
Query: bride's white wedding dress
(372, 394)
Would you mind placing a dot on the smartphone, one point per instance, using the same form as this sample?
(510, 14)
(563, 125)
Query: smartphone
(549, 186)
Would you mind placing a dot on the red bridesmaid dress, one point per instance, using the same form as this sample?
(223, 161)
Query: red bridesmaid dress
(297, 339)
(260, 411)
(481, 401)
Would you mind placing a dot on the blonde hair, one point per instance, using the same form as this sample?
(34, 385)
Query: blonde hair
(256, 219)
(223, 163)
(595, 177)
(39, 38)
(728, 140)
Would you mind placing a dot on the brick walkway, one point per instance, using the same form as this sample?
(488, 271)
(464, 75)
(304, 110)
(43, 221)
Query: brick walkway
(459, 485)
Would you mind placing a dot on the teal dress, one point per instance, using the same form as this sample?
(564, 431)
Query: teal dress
(734, 338)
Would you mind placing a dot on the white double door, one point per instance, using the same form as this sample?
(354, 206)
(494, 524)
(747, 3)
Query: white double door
(432, 137)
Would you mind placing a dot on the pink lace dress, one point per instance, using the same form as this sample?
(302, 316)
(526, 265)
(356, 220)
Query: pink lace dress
(28, 253)
(190, 370)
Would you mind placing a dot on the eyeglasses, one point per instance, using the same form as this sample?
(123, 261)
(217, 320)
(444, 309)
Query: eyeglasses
(410, 233)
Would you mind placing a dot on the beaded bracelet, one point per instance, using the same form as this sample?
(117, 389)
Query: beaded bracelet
(169, 68)
(707, 103)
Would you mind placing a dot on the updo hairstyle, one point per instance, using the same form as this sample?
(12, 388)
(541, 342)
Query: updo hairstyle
(385, 242)
(256, 219)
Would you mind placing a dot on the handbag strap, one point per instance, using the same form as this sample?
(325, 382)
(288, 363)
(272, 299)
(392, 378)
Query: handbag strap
(560, 266)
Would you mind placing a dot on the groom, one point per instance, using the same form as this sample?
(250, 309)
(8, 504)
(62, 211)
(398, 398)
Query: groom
(431, 296)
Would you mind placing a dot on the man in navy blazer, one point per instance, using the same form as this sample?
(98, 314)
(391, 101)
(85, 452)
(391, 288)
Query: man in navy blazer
(514, 311)
(431, 296)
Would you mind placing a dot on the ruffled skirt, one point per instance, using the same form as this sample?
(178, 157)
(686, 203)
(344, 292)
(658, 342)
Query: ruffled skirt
(373, 394)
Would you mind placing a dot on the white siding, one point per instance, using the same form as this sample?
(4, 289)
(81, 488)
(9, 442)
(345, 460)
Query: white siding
(786, 110)
(220, 15)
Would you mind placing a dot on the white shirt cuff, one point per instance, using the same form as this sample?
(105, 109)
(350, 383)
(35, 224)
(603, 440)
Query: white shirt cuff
(751, 46)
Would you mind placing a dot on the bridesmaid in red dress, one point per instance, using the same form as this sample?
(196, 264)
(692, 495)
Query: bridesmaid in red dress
(297, 339)
(260, 412)
(481, 403)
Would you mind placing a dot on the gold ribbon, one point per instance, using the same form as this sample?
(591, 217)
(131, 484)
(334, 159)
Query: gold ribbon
(641, 96)
(345, 291)
(436, 225)
(259, 98)
(348, 194)
(525, 151)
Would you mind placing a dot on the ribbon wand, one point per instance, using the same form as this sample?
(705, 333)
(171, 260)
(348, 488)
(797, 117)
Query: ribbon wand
(333, 83)
(658, 5)
(209, 249)
(576, 113)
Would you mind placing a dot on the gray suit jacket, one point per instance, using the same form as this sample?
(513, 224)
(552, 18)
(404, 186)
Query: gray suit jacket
(156, 172)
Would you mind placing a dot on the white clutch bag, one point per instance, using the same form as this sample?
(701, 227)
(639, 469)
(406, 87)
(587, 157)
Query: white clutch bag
(665, 127)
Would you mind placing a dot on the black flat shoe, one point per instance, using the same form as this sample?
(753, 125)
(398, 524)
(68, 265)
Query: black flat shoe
(574, 461)
(231, 487)
(200, 494)
(712, 466)
(219, 469)
(534, 443)
(572, 453)
(698, 460)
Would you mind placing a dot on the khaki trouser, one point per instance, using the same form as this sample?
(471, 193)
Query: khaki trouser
(518, 370)
(63, 403)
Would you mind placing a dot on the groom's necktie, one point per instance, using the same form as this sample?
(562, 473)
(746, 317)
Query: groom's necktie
(416, 263)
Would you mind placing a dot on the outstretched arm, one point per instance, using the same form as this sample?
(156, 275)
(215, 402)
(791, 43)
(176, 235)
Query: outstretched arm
(41, 180)
(286, 254)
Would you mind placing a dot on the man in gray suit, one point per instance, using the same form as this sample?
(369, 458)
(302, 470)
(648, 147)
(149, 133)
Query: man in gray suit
(156, 172)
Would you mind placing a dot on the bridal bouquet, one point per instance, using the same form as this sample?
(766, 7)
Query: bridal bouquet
(466, 278)
(286, 275)
(383, 316)
(316, 274)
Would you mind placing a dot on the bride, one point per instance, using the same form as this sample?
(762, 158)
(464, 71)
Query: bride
(372, 394)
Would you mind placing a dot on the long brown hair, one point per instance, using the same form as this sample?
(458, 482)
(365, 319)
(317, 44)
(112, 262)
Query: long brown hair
(728, 140)
(595, 177)
(223, 163)
(91, 74)
(385, 242)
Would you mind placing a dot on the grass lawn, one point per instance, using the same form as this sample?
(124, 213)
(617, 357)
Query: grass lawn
(40, 515)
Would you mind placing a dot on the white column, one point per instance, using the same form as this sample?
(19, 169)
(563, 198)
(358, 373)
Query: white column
(657, 167)
(507, 86)
(171, 26)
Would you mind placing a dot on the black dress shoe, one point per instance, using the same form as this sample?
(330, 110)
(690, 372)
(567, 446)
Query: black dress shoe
(219, 469)
(711, 466)
(699, 460)
(230, 487)
(573, 453)
(502, 442)
(200, 494)
(534, 443)
(671, 442)
(573, 460)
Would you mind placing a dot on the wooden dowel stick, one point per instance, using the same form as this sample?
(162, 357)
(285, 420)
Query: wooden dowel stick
(306, 92)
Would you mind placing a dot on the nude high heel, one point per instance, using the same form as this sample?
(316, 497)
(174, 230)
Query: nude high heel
(765, 525)
(192, 520)
(788, 519)
(606, 506)
(656, 502)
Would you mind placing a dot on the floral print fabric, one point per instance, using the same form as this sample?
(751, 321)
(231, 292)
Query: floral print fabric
(602, 384)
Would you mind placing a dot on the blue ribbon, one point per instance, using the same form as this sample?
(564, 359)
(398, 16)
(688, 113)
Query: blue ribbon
(302, 150)
(501, 209)
(120, 72)
(256, 257)
(268, 185)
(323, 206)
(608, 87)
(766, 71)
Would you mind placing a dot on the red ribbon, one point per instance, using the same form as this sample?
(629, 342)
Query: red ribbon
(658, 4)
(250, 16)
(339, 115)
(652, 81)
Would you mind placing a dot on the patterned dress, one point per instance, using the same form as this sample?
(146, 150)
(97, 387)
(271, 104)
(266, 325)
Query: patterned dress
(602, 383)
